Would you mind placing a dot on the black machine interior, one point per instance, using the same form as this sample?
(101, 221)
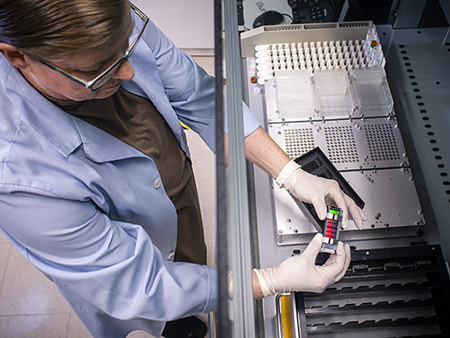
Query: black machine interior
(392, 292)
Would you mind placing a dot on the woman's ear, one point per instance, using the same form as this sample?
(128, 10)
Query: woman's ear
(14, 56)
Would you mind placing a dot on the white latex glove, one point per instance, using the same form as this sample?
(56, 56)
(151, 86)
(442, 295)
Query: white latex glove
(320, 192)
(299, 273)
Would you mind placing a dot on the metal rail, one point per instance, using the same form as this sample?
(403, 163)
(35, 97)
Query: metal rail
(238, 200)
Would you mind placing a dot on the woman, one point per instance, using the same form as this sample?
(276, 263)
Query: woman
(96, 186)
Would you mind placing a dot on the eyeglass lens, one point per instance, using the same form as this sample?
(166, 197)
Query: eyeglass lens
(106, 77)
(139, 24)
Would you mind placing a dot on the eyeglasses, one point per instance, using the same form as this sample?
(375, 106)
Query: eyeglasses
(106, 75)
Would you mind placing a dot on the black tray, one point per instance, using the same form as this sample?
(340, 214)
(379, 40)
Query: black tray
(317, 163)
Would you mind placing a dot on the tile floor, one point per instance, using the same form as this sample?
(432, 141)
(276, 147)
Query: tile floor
(31, 306)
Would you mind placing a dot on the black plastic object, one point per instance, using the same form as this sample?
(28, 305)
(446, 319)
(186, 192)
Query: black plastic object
(313, 11)
(268, 18)
(317, 163)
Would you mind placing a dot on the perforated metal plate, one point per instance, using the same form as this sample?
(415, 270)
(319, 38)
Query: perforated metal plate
(341, 144)
(381, 142)
(350, 145)
(298, 141)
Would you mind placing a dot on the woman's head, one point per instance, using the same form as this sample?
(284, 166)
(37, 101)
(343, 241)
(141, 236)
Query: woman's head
(80, 37)
(51, 29)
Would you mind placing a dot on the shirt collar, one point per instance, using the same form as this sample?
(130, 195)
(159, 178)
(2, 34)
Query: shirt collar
(64, 132)
(46, 118)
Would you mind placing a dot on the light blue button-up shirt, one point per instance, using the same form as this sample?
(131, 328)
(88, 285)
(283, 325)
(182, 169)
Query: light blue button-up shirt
(90, 212)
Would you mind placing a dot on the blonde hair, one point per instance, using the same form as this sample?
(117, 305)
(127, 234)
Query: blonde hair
(51, 29)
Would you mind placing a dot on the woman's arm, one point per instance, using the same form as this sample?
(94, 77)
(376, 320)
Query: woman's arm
(262, 150)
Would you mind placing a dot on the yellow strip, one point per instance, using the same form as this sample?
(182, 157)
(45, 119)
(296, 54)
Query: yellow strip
(285, 316)
(184, 126)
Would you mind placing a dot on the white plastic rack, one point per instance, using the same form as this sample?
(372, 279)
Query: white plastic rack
(320, 55)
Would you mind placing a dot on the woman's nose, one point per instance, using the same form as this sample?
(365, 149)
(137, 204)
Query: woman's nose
(125, 71)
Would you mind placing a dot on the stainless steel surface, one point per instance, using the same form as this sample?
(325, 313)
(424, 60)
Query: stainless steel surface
(418, 68)
(395, 215)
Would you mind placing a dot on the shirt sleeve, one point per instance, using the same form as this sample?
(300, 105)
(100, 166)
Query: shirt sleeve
(113, 265)
(190, 89)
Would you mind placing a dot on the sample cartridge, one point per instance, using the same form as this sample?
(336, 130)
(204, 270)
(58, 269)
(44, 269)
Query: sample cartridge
(331, 230)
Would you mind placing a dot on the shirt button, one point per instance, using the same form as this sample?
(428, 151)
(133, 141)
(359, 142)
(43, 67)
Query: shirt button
(172, 253)
(157, 183)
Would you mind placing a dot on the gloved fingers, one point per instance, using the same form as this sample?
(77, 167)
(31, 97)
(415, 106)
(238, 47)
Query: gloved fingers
(328, 193)
(348, 258)
(313, 248)
(331, 260)
(338, 197)
(337, 264)
(356, 213)
(320, 206)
